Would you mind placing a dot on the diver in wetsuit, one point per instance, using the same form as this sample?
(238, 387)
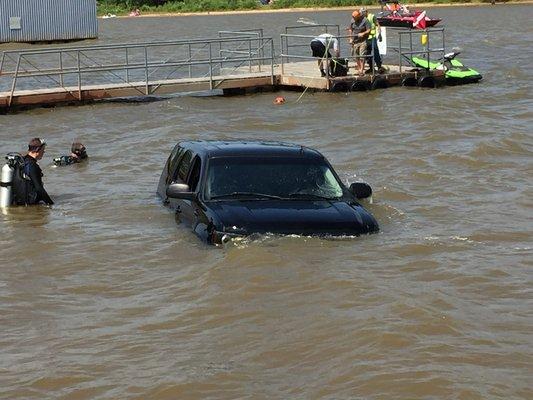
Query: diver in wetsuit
(35, 192)
(78, 153)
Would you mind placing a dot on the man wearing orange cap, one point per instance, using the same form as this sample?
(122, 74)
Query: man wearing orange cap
(359, 30)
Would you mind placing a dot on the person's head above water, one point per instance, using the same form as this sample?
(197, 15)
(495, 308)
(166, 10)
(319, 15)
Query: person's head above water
(78, 150)
(36, 148)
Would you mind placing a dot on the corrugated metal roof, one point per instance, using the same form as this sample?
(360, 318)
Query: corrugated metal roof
(47, 20)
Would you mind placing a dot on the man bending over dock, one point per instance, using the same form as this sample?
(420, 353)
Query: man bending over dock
(321, 46)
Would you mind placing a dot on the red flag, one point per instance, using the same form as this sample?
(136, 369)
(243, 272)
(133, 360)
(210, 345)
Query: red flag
(420, 21)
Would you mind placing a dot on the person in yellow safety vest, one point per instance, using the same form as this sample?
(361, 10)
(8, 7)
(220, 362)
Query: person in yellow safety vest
(372, 42)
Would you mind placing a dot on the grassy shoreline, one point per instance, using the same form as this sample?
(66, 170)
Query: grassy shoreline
(154, 11)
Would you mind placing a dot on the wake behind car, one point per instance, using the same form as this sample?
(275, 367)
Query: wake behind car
(228, 189)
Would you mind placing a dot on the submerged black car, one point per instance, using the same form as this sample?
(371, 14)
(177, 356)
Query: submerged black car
(227, 189)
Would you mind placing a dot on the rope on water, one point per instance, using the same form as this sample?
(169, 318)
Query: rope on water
(307, 87)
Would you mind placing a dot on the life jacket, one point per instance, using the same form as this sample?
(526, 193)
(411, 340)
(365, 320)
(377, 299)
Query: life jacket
(371, 18)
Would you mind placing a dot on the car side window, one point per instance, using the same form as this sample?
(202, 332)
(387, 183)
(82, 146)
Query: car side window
(173, 161)
(183, 166)
(194, 175)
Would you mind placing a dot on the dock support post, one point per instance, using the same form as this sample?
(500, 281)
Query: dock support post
(427, 47)
(127, 66)
(79, 74)
(400, 52)
(272, 60)
(443, 44)
(13, 85)
(210, 68)
(249, 55)
(282, 54)
(190, 58)
(147, 89)
(61, 68)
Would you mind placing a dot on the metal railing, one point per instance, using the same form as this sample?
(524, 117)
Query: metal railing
(410, 43)
(305, 31)
(290, 42)
(136, 65)
(259, 50)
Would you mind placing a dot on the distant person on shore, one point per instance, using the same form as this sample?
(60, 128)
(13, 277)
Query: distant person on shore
(135, 13)
(359, 30)
(78, 153)
(321, 46)
(393, 7)
(28, 186)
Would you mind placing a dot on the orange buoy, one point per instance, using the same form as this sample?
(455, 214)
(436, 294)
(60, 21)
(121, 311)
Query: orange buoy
(279, 100)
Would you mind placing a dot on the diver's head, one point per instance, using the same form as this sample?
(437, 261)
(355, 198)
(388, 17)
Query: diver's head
(36, 148)
(78, 150)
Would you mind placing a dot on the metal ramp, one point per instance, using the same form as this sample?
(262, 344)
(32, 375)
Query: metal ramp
(66, 74)
(233, 62)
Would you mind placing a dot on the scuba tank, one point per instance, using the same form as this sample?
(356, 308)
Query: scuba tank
(6, 181)
(14, 181)
(5, 186)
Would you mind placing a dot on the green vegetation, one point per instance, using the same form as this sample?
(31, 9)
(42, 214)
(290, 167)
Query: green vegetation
(122, 7)
(174, 6)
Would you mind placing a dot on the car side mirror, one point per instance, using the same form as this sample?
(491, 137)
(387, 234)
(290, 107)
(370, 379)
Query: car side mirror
(361, 190)
(179, 191)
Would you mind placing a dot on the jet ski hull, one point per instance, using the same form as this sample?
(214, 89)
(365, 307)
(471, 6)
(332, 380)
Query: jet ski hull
(456, 73)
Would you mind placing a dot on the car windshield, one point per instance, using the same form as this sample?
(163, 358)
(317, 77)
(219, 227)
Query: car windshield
(270, 177)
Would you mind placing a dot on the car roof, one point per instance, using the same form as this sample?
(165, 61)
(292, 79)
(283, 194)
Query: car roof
(242, 148)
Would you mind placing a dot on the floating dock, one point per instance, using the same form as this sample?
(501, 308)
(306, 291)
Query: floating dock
(234, 62)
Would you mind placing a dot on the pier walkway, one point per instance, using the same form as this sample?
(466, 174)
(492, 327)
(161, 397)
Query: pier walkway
(233, 62)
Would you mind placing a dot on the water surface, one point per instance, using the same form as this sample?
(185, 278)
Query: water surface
(104, 296)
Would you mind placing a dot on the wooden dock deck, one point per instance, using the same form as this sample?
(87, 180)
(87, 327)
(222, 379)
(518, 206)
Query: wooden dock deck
(307, 75)
(296, 75)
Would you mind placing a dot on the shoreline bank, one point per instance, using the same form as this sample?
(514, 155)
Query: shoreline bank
(316, 9)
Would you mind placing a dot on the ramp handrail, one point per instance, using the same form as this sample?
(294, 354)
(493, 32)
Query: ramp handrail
(127, 57)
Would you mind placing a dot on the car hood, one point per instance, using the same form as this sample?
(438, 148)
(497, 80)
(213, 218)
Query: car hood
(294, 217)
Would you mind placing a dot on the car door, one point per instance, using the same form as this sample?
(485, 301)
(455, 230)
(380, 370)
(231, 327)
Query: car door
(198, 218)
(180, 174)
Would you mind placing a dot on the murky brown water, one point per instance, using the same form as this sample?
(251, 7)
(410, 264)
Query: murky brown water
(103, 296)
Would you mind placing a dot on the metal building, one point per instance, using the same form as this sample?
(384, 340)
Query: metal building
(47, 20)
